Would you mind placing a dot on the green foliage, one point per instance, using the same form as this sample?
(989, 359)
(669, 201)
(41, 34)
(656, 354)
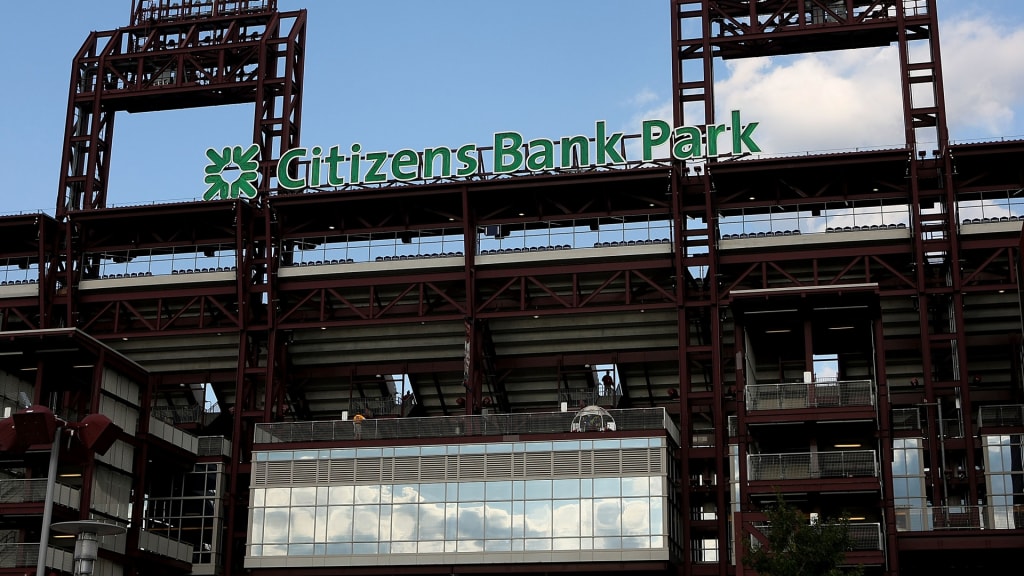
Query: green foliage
(797, 548)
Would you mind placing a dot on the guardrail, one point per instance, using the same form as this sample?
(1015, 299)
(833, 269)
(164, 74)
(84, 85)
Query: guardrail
(27, 490)
(803, 466)
(1005, 415)
(936, 518)
(454, 426)
(790, 396)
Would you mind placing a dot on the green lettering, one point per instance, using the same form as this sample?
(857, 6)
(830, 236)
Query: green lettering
(543, 159)
(470, 162)
(333, 159)
(575, 144)
(506, 145)
(687, 143)
(375, 173)
(430, 155)
(606, 152)
(713, 131)
(741, 137)
(405, 159)
(354, 167)
(650, 139)
(286, 172)
(314, 166)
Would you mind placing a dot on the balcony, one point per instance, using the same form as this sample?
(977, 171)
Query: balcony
(1007, 416)
(846, 470)
(25, 555)
(27, 496)
(456, 426)
(954, 518)
(805, 401)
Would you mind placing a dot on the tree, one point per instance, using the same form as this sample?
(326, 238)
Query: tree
(797, 547)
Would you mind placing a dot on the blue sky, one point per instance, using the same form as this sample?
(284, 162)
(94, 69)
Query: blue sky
(414, 74)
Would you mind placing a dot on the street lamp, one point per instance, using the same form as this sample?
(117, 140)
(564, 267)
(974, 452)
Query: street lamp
(36, 424)
(87, 544)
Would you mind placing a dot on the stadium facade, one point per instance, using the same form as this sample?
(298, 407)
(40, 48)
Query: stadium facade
(570, 367)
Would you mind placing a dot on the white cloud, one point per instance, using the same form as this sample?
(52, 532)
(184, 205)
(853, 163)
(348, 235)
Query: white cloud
(844, 100)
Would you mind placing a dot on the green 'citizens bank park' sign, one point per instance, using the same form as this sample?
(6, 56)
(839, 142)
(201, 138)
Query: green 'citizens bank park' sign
(509, 153)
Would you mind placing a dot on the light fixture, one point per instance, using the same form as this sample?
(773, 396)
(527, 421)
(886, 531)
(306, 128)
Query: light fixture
(856, 518)
(841, 327)
(331, 227)
(847, 445)
(71, 475)
(778, 331)
(522, 214)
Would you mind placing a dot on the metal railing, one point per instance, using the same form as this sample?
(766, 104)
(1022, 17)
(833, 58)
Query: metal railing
(810, 395)
(803, 466)
(864, 536)
(25, 555)
(454, 426)
(164, 546)
(906, 419)
(27, 490)
(927, 519)
(1006, 415)
(214, 446)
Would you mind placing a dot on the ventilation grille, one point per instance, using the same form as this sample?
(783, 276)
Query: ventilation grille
(478, 467)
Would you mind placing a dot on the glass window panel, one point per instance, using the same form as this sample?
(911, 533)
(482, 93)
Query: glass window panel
(303, 521)
(280, 456)
(635, 542)
(605, 487)
(636, 516)
(305, 455)
(275, 526)
(431, 521)
(538, 446)
(538, 544)
(636, 486)
(497, 545)
(339, 549)
(300, 550)
(565, 446)
(343, 453)
(404, 521)
(256, 550)
(275, 550)
(518, 519)
(365, 523)
(407, 451)
(499, 448)
(470, 546)
(499, 520)
(518, 489)
(256, 534)
(320, 534)
(607, 517)
(431, 546)
(608, 543)
(587, 487)
(404, 493)
(364, 548)
(368, 453)
(538, 519)
(655, 485)
(407, 547)
(278, 496)
(367, 494)
(432, 492)
(386, 513)
(258, 497)
(471, 491)
(322, 495)
(497, 491)
(657, 516)
(471, 521)
(633, 443)
(565, 518)
(606, 444)
(304, 496)
(339, 524)
(451, 521)
(260, 456)
(340, 495)
(538, 489)
(567, 488)
(565, 544)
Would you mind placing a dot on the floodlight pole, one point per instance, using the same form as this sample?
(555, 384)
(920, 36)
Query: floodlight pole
(51, 487)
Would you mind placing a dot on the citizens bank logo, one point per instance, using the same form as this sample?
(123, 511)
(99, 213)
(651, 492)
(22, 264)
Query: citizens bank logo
(228, 160)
